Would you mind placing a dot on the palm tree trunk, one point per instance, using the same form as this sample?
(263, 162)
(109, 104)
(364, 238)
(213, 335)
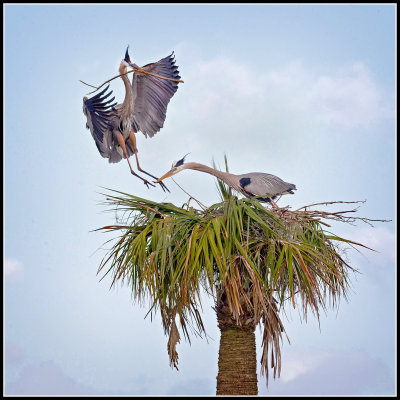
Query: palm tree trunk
(237, 362)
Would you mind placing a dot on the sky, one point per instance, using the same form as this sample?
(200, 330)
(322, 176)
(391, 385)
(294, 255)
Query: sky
(305, 92)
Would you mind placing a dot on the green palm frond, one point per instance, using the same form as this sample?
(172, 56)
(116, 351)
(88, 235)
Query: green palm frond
(259, 258)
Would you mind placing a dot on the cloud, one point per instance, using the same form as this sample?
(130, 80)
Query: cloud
(193, 387)
(46, 378)
(380, 239)
(13, 270)
(295, 367)
(236, 93)
(331, 373)
(350, 97)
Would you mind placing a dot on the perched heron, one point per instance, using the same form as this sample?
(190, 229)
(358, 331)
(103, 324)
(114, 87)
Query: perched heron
(113, 126)
(264, 187)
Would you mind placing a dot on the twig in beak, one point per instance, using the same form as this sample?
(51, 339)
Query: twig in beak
(125, 73)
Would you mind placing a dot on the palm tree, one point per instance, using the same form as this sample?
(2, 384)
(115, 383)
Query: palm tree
(253, 261)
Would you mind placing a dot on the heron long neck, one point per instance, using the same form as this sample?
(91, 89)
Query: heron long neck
(127, 105)
(230, 179)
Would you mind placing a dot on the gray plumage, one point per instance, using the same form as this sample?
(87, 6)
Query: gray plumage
(113, 126)
(262, 184)
(144, 108)
(265, 187)
(100, 114)
(152, 95)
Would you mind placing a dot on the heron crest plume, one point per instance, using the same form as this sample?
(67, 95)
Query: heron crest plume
(181, 161)
(127, 57)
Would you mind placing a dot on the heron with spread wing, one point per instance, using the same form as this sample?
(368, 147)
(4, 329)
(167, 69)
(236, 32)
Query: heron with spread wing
(264, 187)
(114, 126)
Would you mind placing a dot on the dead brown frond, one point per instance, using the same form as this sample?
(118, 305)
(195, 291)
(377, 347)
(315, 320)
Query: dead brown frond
(254, 261)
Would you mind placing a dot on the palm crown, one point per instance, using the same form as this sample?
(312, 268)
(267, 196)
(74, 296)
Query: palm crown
(252, 260)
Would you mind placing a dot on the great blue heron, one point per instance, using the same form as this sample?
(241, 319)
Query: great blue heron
(113, 126)
(264, 187)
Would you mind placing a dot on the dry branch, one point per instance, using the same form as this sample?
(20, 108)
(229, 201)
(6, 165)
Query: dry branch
(125, 73)
(252, 256)
(309, 215)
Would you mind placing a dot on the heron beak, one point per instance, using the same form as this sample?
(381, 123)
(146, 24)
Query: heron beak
(165, 176)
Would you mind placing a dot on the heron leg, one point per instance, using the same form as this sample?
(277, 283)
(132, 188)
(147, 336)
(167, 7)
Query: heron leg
(132, 138)
(273, 203)
(121, 142)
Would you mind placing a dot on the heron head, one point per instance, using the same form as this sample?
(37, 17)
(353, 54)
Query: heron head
(126, 62)
(176, 167)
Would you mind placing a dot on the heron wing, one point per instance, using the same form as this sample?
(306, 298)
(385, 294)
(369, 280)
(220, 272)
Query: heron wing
(99, 114)
(151, 95)
(262, 184)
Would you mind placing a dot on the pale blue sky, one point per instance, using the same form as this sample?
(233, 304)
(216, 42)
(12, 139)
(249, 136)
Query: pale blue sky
(305, 92)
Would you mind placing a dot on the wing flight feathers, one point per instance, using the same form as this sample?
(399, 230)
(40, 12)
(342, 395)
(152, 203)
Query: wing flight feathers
(99, 114)
(151, 95)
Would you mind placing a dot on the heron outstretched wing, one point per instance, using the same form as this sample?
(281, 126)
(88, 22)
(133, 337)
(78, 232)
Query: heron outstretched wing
(151, 95)
(99, 115)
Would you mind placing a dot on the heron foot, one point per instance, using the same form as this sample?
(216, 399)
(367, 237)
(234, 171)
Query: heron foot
(163, 187)
(147, 183)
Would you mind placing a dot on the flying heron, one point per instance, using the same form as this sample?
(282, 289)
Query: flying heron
(113, 126)
(264, 187)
